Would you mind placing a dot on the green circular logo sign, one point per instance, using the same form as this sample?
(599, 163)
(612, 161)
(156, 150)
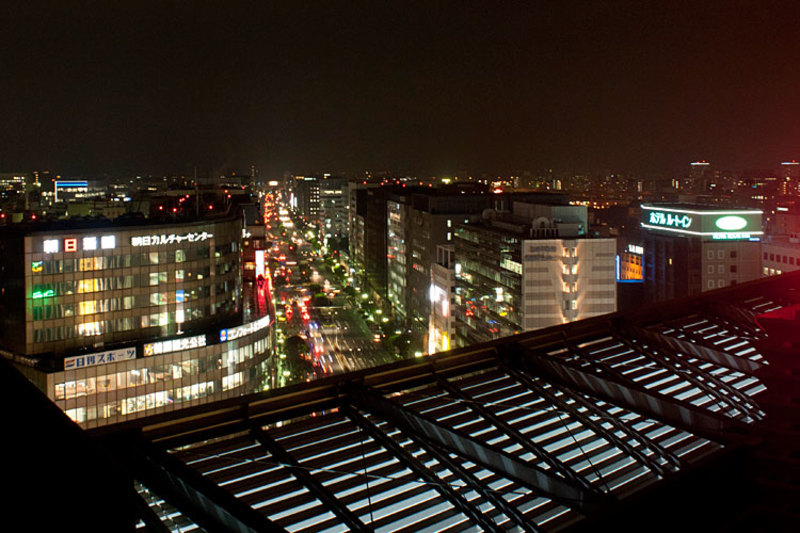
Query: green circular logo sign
(730, 223)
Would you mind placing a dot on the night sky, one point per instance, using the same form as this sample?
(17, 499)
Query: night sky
(410, 87)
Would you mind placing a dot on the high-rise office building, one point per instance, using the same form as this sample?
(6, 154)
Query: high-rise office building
(115, 320)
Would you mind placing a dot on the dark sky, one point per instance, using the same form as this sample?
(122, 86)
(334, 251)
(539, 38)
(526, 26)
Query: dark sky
(427, 87)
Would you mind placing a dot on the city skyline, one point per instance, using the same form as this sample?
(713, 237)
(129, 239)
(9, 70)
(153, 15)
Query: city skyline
(437, 89)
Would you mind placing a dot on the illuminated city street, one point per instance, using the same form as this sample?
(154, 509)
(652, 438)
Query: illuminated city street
(389, 267)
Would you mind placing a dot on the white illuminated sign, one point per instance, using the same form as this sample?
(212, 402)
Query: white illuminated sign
(261, 269)
(172, 238)
(730, 236)
(730, 223)
(50, 246)
(634, 249)
(668, 219)
(100, 358)
(174, 345)
(107, 242)
(246, 329)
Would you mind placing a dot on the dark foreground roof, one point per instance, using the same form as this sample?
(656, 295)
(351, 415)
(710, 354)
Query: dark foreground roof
(678, 416)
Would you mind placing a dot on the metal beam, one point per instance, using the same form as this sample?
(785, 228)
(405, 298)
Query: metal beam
(309, 481)
(600, 430)
(408, 460)
(520, 439)
(653, 404)
(206, 503)
(151, 520)
(698, 350)
(478, 486)
(500, 462)
(703, 380)
(737, 317)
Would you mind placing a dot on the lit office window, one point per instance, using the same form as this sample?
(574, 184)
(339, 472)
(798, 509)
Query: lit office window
(88, 285)
(89, 329)
(87, 308)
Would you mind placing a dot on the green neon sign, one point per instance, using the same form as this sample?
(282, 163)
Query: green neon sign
(43, 294)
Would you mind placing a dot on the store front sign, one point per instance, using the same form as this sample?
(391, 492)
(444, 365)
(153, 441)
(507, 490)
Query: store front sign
(716, 224)
(174, 345)
(230, 334)
(100, 358)
(670, 220)
(171, 238)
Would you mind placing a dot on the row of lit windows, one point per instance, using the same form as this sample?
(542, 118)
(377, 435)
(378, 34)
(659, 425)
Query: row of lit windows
(141, 403)
(160, 373)
(46, 311)
(101, 327)
(85, 286)
(88, 264)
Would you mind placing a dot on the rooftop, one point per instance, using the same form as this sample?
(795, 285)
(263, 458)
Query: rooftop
(673, 415)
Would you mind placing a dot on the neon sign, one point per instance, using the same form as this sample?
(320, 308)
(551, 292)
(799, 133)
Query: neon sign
(715, 224)
(155, 240)
(100, 358)
(43, 294)
(51, 246)
(174, 345)
(246, 329)
(660, 218)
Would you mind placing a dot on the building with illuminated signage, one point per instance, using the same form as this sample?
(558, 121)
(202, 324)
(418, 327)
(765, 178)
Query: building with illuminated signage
(442, 297)
(690, 248)
(532, 268)
(629, 264)
(114, 321)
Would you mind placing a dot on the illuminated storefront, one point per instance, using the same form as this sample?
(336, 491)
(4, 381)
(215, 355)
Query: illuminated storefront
(177, 373)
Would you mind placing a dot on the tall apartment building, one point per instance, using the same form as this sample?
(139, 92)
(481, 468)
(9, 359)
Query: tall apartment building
(118, 320)
(690, 248)
(532, 268)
